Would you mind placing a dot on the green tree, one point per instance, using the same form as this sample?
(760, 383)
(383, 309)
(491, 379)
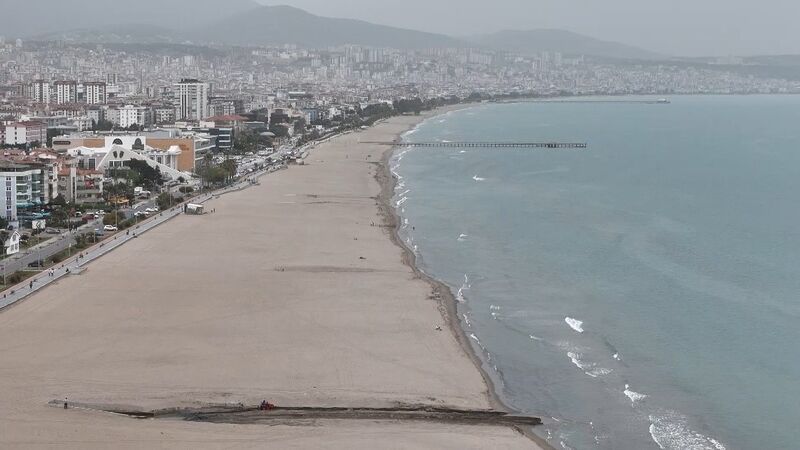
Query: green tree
(114, 218)
(117, 190)
(148, 176)
(59, 201)
(230, 167)
(164, 200)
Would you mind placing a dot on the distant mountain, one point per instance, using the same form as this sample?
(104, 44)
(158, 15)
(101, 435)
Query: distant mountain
(245, 22)
(287, 25)
(47, 16)
(568, 43)
(116, 34)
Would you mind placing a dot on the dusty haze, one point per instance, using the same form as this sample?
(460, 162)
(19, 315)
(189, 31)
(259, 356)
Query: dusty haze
(675, 27)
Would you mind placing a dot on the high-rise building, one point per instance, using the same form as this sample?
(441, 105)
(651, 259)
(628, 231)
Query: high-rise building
(66, 91)
(40, 91)
(94, 92)
(193, 99)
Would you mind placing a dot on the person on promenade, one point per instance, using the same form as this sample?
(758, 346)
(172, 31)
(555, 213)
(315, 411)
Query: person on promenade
(31, 285)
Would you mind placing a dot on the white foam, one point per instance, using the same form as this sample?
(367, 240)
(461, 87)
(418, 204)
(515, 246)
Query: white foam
(590, 369)
(575, 357)
(536, 338)
(633, 395)
(404, 193)
(460, 296)
(463, 151)
(671, 431)
(477, 178)
(494, 308)
(599, 372)
(575, 324)
(617, 357)
(463, 237)
(466, 320)
(401, 201)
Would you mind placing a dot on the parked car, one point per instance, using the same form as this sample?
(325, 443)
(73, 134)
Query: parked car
(37, 263)
(49, 230)
(110, 228)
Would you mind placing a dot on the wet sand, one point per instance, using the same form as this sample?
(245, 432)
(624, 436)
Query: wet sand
(292, 292)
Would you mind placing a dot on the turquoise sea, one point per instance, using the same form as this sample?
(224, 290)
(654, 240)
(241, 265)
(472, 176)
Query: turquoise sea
(643, 293)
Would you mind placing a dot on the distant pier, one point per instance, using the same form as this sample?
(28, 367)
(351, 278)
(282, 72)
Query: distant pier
(474, 144)
(641, 102)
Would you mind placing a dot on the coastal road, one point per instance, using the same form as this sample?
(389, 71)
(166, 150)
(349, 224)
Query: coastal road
(45, 250)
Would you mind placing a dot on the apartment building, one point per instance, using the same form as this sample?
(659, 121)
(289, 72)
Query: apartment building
(26, 133)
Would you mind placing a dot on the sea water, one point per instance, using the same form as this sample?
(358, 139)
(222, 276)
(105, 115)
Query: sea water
(642, 293)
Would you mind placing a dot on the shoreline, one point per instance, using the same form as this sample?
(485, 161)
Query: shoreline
(289, 293)
(446, 299)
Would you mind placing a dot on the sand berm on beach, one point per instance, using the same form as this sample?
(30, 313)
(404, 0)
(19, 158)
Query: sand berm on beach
(292, 291)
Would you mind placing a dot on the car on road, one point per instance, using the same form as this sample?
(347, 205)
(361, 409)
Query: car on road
(37, 263)
(51, 230)
(151, 210)
(110, 228)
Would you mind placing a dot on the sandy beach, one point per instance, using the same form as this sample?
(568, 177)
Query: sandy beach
(292, 291)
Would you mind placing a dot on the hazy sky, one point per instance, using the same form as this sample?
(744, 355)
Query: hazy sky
(676, 27)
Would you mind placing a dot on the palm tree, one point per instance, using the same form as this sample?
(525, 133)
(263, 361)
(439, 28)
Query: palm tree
(229, 166)
(208, 158)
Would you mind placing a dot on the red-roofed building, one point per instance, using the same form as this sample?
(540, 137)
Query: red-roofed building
(230, 120)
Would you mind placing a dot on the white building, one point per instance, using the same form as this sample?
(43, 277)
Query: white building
(40, 91)
(24, 133)
(121, 149)
(66, 92)
(128, 115)
(95, 92)
(11, 242)
(24, 186)
(192, 97)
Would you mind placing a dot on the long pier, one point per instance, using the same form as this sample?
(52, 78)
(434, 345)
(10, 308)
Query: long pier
(641, 102)
(476, 144)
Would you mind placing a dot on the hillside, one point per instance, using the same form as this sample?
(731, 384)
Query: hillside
(572, 44)
(287, 25)
(55, 16)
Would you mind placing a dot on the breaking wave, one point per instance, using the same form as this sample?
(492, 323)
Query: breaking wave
(575, 324)
(671, 431)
